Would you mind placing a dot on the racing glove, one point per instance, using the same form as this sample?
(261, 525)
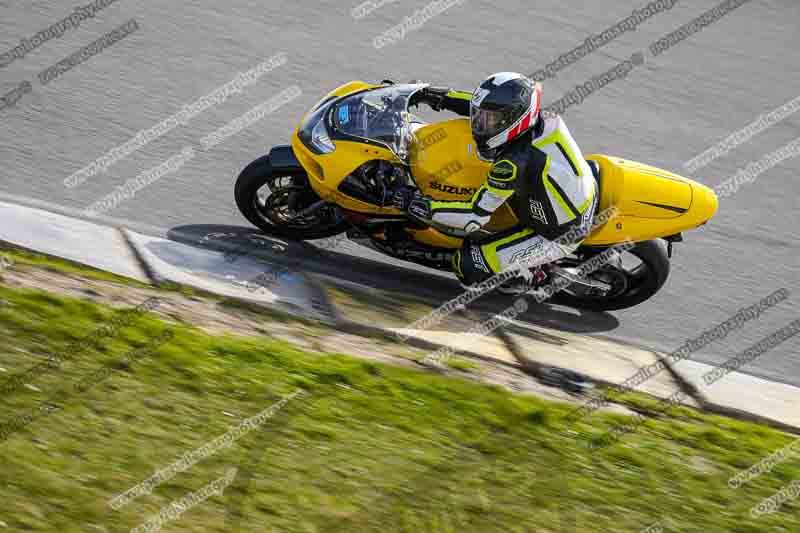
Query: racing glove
(402, 197)
(435, 97)
(420, 207)
(409, 200)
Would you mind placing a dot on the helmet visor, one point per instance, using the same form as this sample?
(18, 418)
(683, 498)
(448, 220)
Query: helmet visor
(487, 123)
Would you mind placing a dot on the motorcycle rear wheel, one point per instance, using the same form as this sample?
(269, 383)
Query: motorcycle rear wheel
(279, 212)
(633, 286)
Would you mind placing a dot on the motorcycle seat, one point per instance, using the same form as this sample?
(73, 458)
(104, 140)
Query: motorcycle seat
(596, 173)
(595, 169)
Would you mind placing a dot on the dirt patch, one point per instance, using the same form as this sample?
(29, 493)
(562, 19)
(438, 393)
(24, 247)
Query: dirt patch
(219, 316)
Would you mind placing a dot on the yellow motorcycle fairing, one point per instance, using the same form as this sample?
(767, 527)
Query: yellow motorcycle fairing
(651, 202)
(327, 171)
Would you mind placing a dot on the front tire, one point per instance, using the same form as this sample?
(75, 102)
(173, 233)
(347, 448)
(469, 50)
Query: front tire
(640, 283)
(279, 212)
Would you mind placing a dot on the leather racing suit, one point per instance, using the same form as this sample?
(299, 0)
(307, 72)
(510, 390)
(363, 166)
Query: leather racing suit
(545, 180)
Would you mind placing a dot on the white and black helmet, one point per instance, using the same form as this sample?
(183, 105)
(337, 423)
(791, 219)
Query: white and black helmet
(503, 107)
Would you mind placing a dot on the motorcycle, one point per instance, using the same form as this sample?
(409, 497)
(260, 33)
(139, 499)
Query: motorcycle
(359, 143)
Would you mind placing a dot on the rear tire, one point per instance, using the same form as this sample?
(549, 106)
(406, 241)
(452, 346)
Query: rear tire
(260, 173)
(653, 256)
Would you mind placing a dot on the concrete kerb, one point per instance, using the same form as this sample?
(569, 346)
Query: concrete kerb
(688, 386)
(144, 265)
(211, 271)
(684, 384)
(366, 330)
(68, 238)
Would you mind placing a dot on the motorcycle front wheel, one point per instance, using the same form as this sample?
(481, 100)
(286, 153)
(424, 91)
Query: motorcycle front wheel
(283, 204)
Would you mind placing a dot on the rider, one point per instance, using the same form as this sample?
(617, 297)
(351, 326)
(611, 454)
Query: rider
(537, 168)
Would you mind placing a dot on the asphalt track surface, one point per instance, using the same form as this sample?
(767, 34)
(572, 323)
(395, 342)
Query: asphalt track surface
(664, 113)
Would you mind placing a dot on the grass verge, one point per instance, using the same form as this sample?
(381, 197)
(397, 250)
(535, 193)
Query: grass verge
(368, 447)
(18, 257)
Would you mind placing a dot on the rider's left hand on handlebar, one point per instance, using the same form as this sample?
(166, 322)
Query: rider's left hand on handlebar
(402, 197)
(411, 201)
(420, 207)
